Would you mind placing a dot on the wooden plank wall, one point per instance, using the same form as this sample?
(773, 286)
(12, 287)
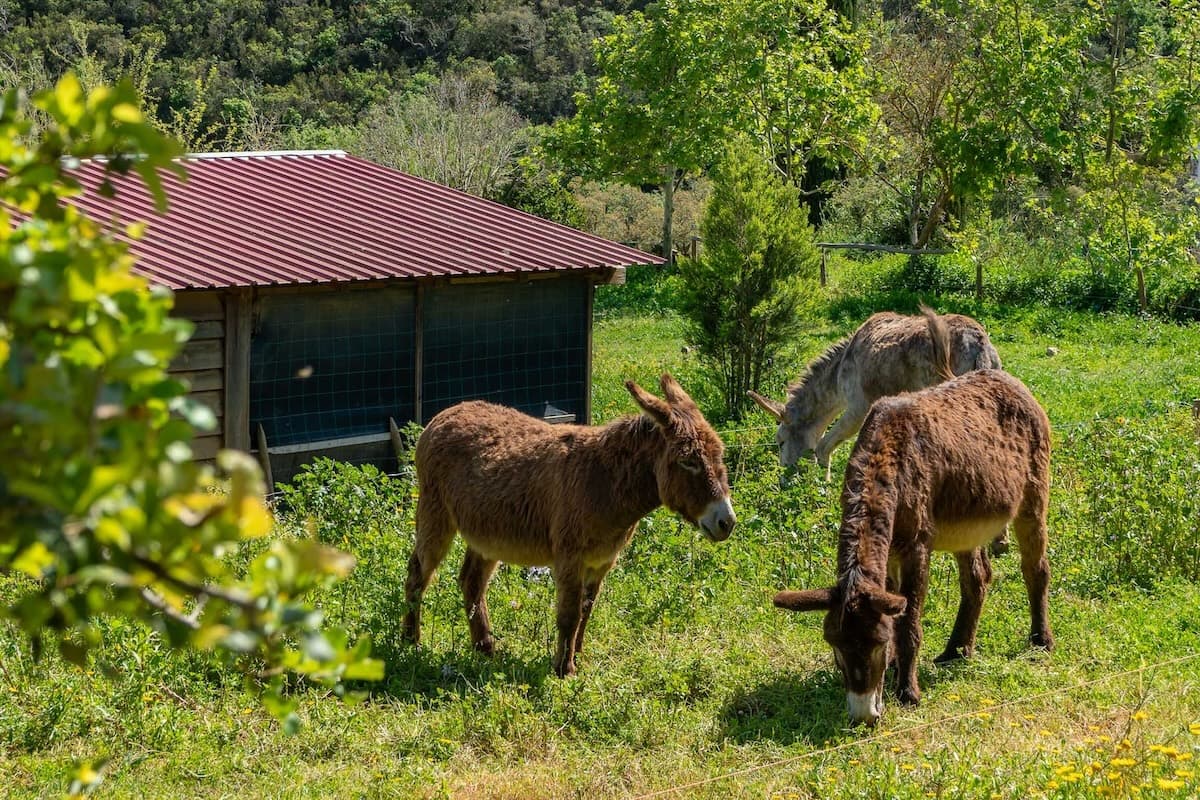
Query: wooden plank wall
(202, 363)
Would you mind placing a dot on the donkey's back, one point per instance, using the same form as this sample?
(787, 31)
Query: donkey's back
(968, 456)
(892, 353)
(495, 474)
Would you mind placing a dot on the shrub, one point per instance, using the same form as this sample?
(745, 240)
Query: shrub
(743, 297)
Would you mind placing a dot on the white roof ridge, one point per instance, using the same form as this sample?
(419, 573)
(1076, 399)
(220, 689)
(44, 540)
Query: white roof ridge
(264, 154)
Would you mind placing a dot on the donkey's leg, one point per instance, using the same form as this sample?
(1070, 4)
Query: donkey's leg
(846, 426)
(473, 580)
(974, 576)
(591, 588)
(568, 586)
(1031, 538)
(914, 584)
(435, 532)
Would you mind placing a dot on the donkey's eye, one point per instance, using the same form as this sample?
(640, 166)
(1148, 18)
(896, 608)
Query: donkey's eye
(691, 464)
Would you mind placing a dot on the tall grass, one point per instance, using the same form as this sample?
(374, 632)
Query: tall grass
(688, 673)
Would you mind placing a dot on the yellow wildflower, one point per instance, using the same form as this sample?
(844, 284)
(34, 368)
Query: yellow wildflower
(1140, 715)
(1184, 773)
(1183, 757)
(1194, 729)
(1122, 762)
(1167, 783)
(984, 715)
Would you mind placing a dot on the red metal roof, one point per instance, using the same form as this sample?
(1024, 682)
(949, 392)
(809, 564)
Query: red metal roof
(254, 219)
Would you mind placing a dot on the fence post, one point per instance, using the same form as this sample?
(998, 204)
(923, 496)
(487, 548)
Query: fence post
(978, 279)
(264, 458)
(824, 268)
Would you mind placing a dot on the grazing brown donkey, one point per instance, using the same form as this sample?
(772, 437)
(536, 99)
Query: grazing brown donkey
(945, 468)
(569, 496)
(888, 354)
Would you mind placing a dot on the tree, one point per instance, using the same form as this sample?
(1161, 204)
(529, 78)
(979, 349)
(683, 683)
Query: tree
(101, 505)
(678, 81)
(660, 109)
(742, 299)
(455, 132)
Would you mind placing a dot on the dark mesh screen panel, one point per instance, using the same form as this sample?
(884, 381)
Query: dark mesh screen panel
(332, 364)
(520, 344)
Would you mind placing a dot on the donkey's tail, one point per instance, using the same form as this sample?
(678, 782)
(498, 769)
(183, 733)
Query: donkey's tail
(940, 335)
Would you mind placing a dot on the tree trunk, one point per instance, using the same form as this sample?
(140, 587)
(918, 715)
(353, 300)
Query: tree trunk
(668, 190)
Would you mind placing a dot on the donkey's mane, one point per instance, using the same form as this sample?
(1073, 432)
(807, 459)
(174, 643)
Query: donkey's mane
(817, 368)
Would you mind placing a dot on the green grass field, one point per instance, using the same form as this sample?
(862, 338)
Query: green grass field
(691, 684)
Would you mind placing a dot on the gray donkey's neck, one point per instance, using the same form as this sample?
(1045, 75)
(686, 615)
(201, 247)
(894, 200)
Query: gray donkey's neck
(817, 393)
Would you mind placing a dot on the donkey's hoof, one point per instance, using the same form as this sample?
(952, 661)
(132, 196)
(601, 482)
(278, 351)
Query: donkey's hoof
(952, 654)
(909, 696)
(564, 670)
(486, 645)
(1042, 640)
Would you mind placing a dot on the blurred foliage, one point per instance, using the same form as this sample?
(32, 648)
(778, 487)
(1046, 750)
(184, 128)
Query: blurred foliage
(101, 505)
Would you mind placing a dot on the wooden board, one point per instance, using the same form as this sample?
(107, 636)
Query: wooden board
(206, 354)
(205, 447)
(213, 400)
(198, 306)
(209, 329)
(204, 380)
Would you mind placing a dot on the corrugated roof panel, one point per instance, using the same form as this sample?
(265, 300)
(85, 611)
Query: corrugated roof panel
(250, 219)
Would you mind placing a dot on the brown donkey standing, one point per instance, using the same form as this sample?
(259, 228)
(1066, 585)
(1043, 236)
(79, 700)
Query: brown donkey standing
(568, 496)
(945, 468)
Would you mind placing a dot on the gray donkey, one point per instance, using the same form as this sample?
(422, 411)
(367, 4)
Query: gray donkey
(887, 355)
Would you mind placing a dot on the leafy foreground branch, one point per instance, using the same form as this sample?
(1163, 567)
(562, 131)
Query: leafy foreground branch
(100, 502)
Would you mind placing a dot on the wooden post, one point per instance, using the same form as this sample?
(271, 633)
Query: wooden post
(824, 268)
(238, 331)
(418, 355)
(264, 458)
(397, 442)
(587, 355)
(978, 280)
(1141, 278)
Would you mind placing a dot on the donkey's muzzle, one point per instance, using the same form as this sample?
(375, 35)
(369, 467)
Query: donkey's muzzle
(718, 520)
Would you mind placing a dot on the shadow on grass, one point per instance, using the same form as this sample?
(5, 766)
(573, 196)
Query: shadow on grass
(809, 708)
(789, 708)
(438, 676)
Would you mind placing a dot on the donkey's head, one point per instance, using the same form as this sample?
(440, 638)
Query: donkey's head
(690, 470)
(859, 625)
(796, 438)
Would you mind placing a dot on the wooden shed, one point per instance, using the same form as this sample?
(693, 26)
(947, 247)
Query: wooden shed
(331, 295)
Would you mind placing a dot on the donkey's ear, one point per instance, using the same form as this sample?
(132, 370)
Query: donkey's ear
(674, 393)
(658, 409)
(888, 603)
(772, 407)
(805, 600)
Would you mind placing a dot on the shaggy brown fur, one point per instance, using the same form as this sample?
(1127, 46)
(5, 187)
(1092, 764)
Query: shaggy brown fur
(942, 469)
(569, 496)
